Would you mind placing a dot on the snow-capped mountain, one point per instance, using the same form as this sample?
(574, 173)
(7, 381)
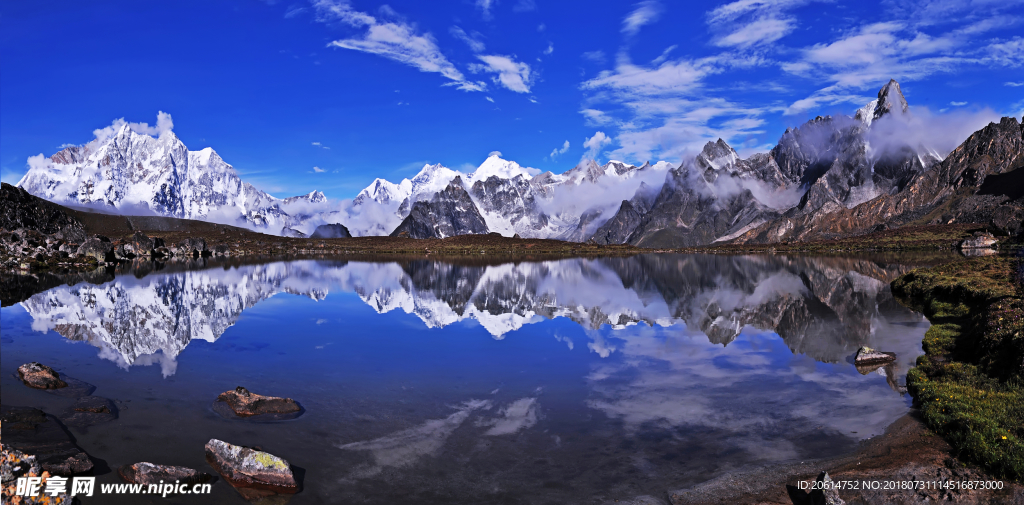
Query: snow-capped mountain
(808, 186)
(511, 199)
(133, 172)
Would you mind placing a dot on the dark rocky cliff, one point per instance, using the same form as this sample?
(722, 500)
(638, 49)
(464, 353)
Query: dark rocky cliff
(19, 209)
(449, 213)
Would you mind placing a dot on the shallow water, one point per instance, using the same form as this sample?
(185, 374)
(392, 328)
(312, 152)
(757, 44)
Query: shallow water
(570, 381)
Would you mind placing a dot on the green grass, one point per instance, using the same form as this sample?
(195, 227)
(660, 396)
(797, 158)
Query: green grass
(969, 383)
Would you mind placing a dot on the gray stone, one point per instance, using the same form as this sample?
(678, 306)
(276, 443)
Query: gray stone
(96, 248)
(869, 356)
(255, 474)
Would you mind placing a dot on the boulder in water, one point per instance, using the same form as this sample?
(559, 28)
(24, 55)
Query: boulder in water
(149, 473)
(245, 403)
(254, 474)
(40, 376)
(868, 356)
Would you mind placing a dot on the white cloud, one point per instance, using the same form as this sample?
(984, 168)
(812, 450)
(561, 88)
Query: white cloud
(524, 6)
(489, 99)
(494, 153)
(475, 45)
(316, 144)
(645, 13)
(1009, 53)
(485, 8)
(318, 170)
(294, 11)
(861, 59)
(557, 151)
(550, 49)
(164, 124)
(395, 40)
(761, 31)
(670, 76)
(1013, 84)
(596, 117)
(512, 74)
(958, 104)
(594, 56)
(595, 143)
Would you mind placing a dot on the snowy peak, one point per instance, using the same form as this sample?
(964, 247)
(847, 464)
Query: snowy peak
(717, 156)
(385, 192)
(890, 100)
(311, 197)
(494, 165)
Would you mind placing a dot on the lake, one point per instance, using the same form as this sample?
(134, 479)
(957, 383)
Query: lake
(534, 382)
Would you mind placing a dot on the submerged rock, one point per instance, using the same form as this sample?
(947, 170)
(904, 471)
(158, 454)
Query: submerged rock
(868, 356)
(149, 473)
(40, 376)
(254, 474)
(89, 411)
(33, 431)
(245, 403)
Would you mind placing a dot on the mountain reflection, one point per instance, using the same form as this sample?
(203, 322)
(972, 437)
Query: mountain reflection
(824, 308)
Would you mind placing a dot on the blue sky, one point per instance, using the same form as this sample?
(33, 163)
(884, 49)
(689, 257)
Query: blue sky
(364, 89)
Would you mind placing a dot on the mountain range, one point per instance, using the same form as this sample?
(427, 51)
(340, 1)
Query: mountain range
(831, 177)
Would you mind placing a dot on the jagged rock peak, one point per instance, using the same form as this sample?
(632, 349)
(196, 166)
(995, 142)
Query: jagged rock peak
(890, 99)
(311, 197)
(717, 155)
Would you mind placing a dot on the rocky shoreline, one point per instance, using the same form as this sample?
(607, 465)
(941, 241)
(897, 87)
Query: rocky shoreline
(38, 444)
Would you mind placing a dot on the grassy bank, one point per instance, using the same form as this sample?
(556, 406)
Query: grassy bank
(969, 383)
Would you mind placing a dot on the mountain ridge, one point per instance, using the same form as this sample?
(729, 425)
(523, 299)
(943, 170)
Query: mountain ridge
(831, 176)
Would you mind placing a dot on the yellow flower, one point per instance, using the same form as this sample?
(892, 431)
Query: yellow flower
(1004, 437)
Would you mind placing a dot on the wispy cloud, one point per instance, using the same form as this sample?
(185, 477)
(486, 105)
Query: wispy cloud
(485, 7)
(747, 23)
(511, 74)
(645, 13)
(596, 117)
(958, 104)
(1013, 84)
(666, 77)
(902, 48)
(524, 6)
(472, 41)
(395, 40)
(562, 150)
(594, 56)
(294, 11)
(318, 170)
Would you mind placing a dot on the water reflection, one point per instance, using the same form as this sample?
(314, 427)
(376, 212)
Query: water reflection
(824, 308)
(551, 382)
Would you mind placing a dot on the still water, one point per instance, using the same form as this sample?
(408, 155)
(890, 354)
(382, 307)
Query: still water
(568, 381)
